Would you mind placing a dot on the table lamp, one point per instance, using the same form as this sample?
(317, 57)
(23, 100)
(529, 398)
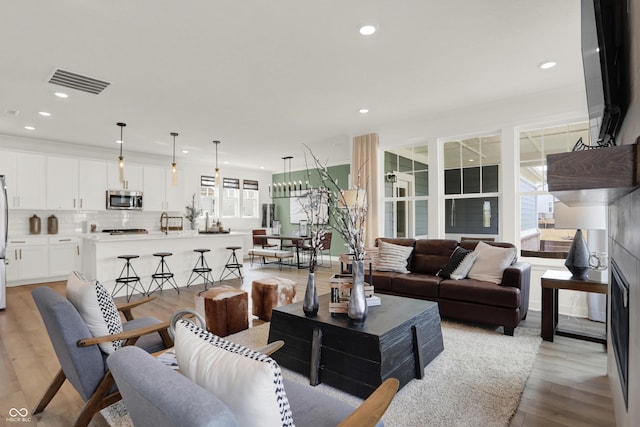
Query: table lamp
(580, 218)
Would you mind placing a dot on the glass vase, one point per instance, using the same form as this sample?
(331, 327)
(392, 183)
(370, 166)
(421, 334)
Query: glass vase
(310, 304)
(357, 301)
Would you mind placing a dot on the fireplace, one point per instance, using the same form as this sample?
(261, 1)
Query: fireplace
(620, 326)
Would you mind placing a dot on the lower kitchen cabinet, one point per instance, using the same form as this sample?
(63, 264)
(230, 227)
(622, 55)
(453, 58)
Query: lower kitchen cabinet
(27, 259)
(64, 255)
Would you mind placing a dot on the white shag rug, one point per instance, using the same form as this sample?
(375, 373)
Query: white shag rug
(476, 381)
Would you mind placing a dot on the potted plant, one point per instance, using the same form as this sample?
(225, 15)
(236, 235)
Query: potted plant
(193, 213)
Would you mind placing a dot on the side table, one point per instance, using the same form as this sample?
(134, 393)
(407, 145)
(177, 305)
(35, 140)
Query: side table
(552, 281)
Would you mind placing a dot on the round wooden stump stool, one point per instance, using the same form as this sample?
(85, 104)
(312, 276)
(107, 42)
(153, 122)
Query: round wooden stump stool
(225, 309)
(271, 292)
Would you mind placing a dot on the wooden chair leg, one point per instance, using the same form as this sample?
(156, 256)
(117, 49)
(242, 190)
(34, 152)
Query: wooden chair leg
(166, 338)
(100, 399)
(51, 391)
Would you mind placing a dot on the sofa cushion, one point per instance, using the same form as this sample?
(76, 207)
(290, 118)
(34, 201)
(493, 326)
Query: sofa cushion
(381, 279)
(416, 284)
(248, 382)
(393, 257)
(491, 262)
(97, 309)
(430, 255)
(480, 292)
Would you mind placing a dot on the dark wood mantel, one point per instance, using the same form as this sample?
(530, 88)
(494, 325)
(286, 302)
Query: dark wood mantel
(594, 177)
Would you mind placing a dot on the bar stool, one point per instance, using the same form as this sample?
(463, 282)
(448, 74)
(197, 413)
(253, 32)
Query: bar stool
(233, 266)
(128, 278)
(201, 270)
(162, 275)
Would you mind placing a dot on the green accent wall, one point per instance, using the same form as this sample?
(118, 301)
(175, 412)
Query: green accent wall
(340, 173)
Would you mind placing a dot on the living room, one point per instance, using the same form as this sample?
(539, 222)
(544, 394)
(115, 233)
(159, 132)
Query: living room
(511, 115)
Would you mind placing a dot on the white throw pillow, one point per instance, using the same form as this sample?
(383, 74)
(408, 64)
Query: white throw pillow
(248, 382)
(393, 257)
(491, 262)
(97, 309)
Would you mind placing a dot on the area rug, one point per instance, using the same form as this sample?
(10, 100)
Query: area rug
(476, 381)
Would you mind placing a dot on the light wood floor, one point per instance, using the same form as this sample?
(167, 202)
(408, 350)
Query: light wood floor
(568, 385)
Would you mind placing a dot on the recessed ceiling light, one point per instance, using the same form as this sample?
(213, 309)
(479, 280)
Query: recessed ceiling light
(226, 163)
(261, 167)
(118, 141)
(548, 64)
(61, 95)
(29, 128)
(44, 113)
(185, 151)
(367, 30)
(363, 110)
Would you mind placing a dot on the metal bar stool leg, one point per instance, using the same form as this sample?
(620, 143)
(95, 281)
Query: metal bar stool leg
(163, 276)
(128, 278)
(233, 266)
(201, 270)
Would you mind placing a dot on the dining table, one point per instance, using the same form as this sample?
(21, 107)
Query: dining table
(296, 242)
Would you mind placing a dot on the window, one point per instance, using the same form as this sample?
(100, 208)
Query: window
(406, 189)
(537, 224)
(471, 185)
(208, 196)
(230, 197)
(250, 200)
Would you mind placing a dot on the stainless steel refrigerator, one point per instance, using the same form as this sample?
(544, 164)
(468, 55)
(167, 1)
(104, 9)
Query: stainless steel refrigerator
(4, 225)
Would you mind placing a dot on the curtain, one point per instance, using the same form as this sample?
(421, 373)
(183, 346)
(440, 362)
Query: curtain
(364, 172)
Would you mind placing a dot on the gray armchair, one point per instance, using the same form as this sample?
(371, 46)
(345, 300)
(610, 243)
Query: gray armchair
(158, 396)
(81, 360)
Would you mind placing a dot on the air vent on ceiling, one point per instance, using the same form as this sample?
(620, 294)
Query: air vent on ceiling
(78, 81)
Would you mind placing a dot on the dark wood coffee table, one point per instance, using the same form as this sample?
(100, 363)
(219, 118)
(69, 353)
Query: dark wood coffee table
(399, 338)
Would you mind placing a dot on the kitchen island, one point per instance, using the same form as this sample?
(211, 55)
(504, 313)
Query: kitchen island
(100, 254)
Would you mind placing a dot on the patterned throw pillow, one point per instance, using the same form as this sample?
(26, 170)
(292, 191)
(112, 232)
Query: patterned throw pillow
(454, 261)
(248, 382)
(97, 309)
(464, 267)
(393, 257)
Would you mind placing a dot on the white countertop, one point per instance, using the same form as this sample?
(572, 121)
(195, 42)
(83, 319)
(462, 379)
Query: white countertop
(155, 235)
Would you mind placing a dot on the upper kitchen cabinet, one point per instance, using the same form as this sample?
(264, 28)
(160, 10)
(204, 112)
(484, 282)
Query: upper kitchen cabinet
(133, 177)
(76, 184)
(159, 193)
(92, 185)
(25, 179)
(62, 183)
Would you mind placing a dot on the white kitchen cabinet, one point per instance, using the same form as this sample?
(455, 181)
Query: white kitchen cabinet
(27, 259)
(62, 183)
(25, 178)
(64, 255)
(158, 192)
(92, 185)
(133, 177)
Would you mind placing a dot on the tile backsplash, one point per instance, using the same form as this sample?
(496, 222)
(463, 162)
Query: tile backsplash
(73, 222)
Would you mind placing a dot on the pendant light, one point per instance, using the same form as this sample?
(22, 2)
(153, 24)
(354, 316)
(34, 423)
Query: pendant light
(121, 157)
(217, 170)
(174, 172)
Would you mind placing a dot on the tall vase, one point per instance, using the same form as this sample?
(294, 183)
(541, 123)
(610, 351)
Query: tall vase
(357, 301)
(310, 304)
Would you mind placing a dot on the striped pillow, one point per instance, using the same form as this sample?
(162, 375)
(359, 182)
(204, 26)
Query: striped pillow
(393, 257)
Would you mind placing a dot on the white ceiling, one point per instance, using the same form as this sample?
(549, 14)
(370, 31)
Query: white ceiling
(265, 77)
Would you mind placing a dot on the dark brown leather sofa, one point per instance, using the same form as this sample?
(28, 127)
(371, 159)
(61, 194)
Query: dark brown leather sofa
(468, 299)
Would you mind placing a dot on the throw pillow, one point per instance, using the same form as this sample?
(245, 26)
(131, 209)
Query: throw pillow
(454, 261)
(464, 267)
(393, 257)
(491, 262)
(248, 382)
(97, 309)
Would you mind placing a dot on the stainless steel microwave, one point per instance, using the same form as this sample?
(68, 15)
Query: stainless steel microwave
(124, 199)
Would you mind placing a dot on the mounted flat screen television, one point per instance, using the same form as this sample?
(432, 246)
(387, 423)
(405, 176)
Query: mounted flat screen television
(604, 57)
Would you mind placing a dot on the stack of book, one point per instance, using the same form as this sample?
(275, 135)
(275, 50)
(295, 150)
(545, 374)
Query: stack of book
(341, 292)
